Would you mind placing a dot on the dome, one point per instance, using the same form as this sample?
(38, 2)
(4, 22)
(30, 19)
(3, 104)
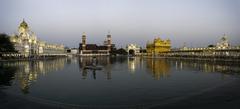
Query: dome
(24, 24)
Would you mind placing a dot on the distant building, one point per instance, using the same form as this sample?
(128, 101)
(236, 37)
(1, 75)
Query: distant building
(221, 45)
(94, 49)
(133, 49)
(72, 51)
(26, 43)
(157, 46)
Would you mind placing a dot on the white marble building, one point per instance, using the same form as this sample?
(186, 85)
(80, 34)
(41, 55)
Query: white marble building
(27, 44)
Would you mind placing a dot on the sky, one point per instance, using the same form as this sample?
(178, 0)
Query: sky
(197, 23)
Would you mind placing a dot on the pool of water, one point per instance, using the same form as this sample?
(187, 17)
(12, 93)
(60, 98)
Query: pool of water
(120, 81)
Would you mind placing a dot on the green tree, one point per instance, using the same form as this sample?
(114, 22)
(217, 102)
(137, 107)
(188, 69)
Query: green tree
(5, 44)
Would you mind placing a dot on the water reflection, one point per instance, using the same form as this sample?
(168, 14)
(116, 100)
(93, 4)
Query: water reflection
(207, 66)
(161, 68)
(104, 62)
(27, 72)
(24, 73)
(132, 64)
(158, 68)
(135, 63)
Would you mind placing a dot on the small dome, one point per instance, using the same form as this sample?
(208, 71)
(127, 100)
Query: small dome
(224, 38)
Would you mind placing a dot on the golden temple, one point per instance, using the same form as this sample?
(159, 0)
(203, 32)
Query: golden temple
(158, 45)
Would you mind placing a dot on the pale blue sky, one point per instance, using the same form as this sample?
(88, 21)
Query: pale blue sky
(196, 22)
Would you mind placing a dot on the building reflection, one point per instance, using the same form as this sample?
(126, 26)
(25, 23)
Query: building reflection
(29, 71)
(134, 63)
(208, 66)
(104, 62)
(158, 68)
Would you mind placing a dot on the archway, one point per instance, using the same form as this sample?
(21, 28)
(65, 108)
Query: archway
(131, 52)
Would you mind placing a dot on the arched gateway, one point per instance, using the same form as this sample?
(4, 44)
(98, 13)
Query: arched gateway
(133, 49)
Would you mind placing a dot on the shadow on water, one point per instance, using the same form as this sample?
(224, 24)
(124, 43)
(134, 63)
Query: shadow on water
(7, 75)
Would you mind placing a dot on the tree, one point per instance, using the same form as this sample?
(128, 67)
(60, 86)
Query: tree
(211, 45)
(122, 51)
(5, 44)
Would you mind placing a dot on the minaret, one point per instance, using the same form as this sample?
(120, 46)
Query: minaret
(109, 41)
(84, 41)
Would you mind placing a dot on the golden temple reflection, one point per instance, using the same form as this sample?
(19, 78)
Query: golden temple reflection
(158, 68)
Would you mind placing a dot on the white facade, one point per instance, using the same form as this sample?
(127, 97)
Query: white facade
(134, 48)
(74, 51)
